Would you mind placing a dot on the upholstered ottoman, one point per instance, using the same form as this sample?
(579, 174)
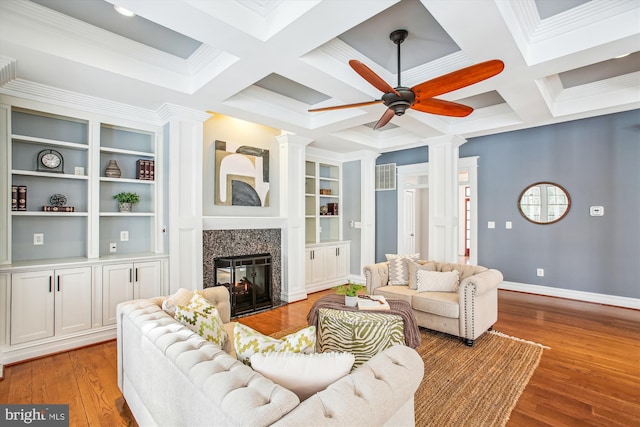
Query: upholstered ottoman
(363, 334)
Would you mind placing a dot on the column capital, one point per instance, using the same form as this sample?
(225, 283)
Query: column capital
(453, 140)
(290, 138)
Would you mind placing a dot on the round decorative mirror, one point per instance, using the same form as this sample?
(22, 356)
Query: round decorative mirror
(544, 203)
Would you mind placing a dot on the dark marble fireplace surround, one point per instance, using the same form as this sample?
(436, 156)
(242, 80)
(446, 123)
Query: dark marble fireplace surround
(221, 243)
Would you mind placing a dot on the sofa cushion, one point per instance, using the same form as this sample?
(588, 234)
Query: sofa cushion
(436, 281)
(303, 374)
(439, 303)
(401, 292)
(248, 341)
(398, 270)
(202, 318)
(414, 267)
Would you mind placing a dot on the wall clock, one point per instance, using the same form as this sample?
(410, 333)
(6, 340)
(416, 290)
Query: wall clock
(50, 161)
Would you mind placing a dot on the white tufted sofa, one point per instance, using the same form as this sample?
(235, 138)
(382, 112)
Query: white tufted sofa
(170, 376)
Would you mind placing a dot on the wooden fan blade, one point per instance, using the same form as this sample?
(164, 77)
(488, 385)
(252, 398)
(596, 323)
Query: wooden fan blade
(386, 117)
(368, 74)
(441, 107)
(339, 107)
(458, 79)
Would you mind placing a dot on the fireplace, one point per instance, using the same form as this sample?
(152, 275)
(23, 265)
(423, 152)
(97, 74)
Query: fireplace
(248, 279)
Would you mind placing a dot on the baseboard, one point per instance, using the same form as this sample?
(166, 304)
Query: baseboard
(618, 301)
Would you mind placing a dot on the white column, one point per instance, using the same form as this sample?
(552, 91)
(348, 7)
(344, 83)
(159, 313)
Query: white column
(292, 178)
(368, 208)
(443, 197)
(185, 195)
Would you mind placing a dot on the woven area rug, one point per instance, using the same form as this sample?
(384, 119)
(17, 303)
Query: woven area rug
(470, 386)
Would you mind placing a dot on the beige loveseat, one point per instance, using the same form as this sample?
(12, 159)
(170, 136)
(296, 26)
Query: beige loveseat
(171, 376)
(467, 313)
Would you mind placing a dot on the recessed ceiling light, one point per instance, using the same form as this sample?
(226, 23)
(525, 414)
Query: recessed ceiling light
(122, 11)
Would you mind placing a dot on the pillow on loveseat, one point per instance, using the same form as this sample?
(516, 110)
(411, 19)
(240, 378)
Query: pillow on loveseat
(437, 281)
(303, 374)
(181, 297)
(414, 267)
(248, 342)
(398, 269)
(203, 318)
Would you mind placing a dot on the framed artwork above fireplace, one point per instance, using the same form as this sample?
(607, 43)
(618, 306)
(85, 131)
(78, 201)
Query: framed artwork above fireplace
(242, 175)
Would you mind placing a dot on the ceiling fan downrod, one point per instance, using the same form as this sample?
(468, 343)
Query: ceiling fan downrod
(398, 36)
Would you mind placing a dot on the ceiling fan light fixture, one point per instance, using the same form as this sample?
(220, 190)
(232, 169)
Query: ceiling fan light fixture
(122, 11)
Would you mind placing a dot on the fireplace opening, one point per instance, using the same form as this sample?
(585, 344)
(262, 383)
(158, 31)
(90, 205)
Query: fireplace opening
(248, 279)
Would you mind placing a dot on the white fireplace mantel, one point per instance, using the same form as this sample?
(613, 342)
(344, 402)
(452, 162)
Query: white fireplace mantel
(241, 223)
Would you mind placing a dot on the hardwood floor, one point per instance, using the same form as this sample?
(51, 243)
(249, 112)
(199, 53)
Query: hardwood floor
(590, 376)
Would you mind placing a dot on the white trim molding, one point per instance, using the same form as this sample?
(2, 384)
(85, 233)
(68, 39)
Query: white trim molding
(594, 297)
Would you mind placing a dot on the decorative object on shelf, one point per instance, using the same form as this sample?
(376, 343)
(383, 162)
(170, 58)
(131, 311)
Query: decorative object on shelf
(78, 170)
(350, 292)
(323, 210)
(126, 200)
(242, 175)
(333, 208)
(50, 161)
(14, 197)
(145, 169)
(22, 197)
(325, 191)
(113, 171)
(58, 202)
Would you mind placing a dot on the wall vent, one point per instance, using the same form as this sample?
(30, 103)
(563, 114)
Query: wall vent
(386, 177)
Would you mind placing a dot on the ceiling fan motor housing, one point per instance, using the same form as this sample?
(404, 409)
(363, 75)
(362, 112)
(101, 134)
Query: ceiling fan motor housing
(399, 104)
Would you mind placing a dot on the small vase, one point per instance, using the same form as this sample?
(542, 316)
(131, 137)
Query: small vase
(112, 171)
(125, 207)
(350, 301)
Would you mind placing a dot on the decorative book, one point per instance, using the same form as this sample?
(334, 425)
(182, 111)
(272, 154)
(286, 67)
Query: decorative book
(145, 169)
(14, 197)
(58, 209)
(373, 302)
(22, 197)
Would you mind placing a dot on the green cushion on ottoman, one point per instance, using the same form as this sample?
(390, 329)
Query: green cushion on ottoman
(362, 334)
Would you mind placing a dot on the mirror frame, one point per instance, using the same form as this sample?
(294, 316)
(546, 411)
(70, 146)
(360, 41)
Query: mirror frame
(546, 183)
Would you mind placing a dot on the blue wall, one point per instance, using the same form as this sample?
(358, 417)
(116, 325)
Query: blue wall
(597, 160)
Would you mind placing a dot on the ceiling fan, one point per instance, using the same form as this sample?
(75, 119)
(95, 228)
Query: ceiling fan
(420, 97)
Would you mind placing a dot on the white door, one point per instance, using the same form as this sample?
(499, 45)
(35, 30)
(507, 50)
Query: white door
(31, 306)
(146, 276)
(73, 300)
(117, 287)
(409, 222)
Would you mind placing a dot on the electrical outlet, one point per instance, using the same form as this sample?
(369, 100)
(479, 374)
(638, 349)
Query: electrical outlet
(38, 239)
(124, 236)
(113, 247)
(540, 272)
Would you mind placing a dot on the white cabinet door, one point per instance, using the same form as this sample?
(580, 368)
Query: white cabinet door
(314, 265)
(73, 300)
(117, 287)
(147, 279)
(124, 282)
(336, 261)
(32, 300)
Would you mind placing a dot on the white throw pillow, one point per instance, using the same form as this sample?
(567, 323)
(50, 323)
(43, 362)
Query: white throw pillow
(398, 270)
(248, 342)
(303, 374)
(414, 267)
(181, 297)
(202, 318)
(437, 281)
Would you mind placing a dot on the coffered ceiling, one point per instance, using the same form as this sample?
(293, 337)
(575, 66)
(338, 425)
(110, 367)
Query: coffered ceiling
(270, 61)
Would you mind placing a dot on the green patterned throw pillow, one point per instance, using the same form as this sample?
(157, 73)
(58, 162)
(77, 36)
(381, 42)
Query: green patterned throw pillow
(248, 342)
(202, 318)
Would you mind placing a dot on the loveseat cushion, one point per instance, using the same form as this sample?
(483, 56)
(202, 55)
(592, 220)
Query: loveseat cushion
(398, 269)
(444, 304)
(414, 267)
(438, 281)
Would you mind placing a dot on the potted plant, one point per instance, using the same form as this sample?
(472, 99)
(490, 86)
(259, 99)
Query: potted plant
(350, 292)
(125, 200)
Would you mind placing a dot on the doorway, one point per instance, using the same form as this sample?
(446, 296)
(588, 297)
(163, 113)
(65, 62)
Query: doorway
(413, 209)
